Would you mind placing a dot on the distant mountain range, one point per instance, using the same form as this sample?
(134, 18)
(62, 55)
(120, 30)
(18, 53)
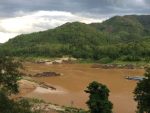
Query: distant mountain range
(125, 38)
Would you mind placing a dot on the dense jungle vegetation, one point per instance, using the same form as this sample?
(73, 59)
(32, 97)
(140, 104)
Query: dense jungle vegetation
(122, 38)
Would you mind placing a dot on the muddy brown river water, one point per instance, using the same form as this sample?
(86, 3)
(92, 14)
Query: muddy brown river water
(76, 78)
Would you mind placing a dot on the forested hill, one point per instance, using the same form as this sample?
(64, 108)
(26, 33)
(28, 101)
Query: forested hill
(124, 38)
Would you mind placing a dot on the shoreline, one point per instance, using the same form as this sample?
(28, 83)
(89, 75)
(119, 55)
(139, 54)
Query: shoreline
(100, 65)
(29, 86)
(70, 60)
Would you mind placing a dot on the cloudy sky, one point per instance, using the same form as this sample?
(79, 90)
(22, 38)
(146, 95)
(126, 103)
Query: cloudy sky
(26, 16)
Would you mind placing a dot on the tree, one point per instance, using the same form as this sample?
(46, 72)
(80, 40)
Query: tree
(142, 94)
(98, 99)
(9, 76)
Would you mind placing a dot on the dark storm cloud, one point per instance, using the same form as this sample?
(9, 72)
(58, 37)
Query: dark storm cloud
(147, 1)
(10, 7)
(26, 16)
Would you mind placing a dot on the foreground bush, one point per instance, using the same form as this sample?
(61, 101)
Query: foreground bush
(98, 99)
(9, 76)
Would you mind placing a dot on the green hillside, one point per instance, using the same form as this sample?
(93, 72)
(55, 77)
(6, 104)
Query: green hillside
(124, 38)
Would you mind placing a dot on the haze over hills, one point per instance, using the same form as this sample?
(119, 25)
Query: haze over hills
(125, 38)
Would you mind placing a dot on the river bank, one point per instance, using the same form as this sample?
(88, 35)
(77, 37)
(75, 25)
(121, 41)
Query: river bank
(70, 60)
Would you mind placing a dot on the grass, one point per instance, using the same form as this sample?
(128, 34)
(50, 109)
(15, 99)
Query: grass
(35, 101)
(74, 110)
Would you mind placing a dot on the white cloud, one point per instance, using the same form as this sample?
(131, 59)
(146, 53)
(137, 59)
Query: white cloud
(37, 21)
(6, 36)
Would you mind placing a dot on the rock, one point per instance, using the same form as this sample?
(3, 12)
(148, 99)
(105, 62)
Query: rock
(47, 74)
(114, 66)
(64, 60)
(47, 86)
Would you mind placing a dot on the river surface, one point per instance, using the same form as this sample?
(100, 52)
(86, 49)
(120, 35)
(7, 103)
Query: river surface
(76, 78)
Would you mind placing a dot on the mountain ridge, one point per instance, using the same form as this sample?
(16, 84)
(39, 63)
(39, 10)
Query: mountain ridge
(120, 37)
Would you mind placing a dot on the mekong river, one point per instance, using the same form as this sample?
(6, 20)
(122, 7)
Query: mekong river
(76, 78)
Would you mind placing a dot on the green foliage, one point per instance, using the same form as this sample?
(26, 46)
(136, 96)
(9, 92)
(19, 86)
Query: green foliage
(105, 60)
(73, 110)
(98, 99)
(9, 74)
(142, 94)
(5, 103)
(126, 38)
(10, 106)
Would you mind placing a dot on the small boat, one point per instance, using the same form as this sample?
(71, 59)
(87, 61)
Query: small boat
(136, 78)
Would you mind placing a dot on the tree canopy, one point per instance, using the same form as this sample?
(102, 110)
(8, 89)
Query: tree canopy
(98, 98)
(142, 94)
